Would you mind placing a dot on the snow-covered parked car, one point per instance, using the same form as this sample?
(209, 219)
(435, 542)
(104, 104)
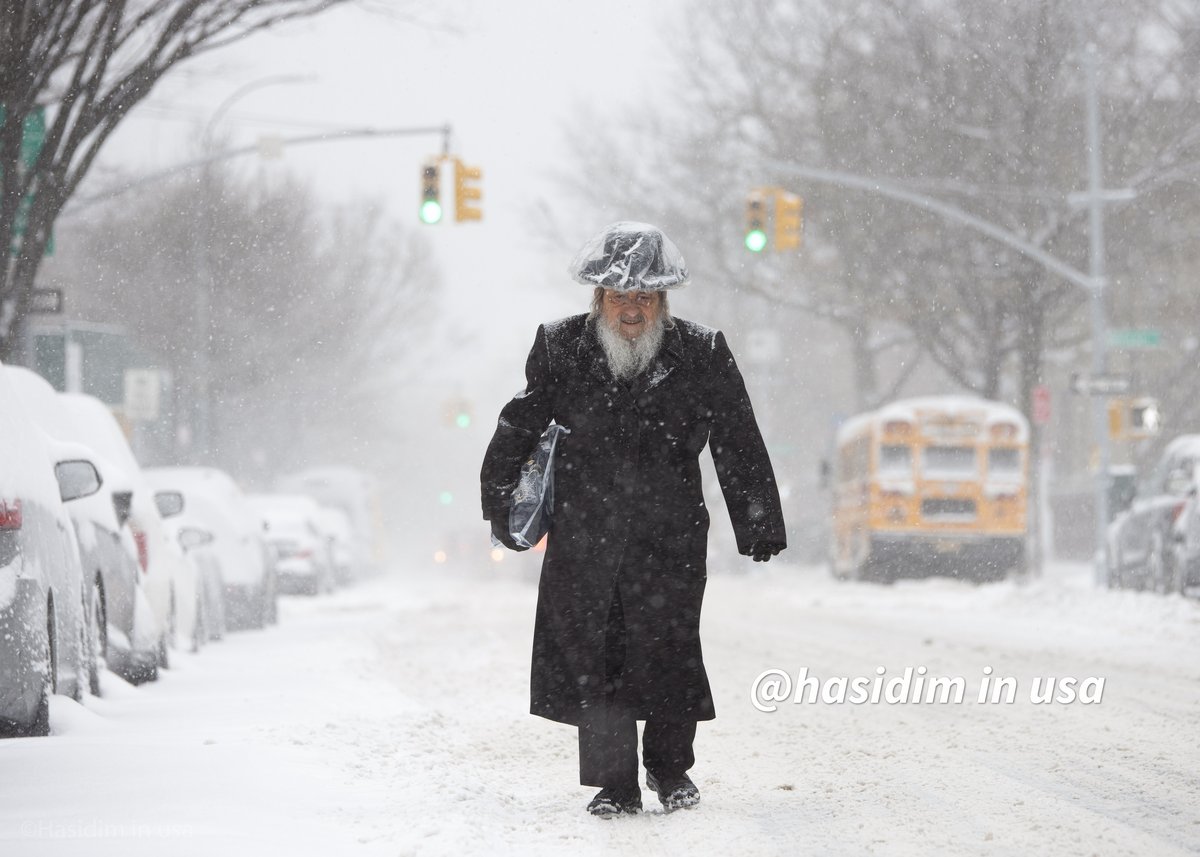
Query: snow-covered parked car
(357, 495)
(168, 579)
(128, 634)
(195, 543)
(1181, 560)
(301, 549)
(340, 532)
(210, 500)
(46, 640)
(98, 496)
(1141, 539)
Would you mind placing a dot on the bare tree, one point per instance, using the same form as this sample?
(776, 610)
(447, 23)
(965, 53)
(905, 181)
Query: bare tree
(318, 319)
(83, 65)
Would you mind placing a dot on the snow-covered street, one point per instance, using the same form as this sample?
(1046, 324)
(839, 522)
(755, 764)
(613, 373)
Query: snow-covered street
(390, 719)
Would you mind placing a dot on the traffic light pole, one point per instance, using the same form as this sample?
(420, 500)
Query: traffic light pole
(1096, 262)
(240, 151)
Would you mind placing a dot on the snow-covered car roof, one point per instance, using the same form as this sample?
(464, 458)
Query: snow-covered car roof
(42, 404)
(25, 471)
(100, 427)
(204, 480)
(1185, 445)
(957, 407)
(279, 507)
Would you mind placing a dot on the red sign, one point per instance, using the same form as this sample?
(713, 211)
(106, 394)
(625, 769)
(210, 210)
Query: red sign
(1041, 404)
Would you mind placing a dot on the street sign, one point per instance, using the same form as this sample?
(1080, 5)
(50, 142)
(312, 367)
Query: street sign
(46, 301)
(33, 136)
(1041, 405)
(141, 394)
(1133, 339)
(1099, 385)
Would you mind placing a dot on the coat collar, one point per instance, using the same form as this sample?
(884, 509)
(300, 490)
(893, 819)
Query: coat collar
(591, 353)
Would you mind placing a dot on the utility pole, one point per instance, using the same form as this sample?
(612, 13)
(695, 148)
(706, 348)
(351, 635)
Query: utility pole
(1096, 261)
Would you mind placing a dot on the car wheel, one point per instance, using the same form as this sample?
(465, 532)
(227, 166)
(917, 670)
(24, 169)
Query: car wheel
(199, 625)
(1176, 570)
(167, 640)
(217, 612)
(1156, 571)
(1115, 580)
(40, 726)
(98, 638)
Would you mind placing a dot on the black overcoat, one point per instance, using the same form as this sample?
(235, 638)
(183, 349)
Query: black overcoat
(629, 517)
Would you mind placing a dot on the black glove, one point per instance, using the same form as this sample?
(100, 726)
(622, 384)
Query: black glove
(763, 551)
(500, 531)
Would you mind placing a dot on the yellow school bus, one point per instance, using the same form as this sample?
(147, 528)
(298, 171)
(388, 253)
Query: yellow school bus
(934, 485)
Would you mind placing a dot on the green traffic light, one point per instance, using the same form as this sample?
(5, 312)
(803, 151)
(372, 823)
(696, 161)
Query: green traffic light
(756, 240)
(431, 211)
(463, 420)
(446, 498)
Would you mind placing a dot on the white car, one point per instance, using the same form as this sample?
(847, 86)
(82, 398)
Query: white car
(168, 579)
(128, 634)
(46, 641)
(214, 503)
(301, 549)
(357, 495)
(340, 530)
(196, 542)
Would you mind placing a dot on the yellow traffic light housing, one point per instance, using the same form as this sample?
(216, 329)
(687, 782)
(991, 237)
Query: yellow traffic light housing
(431, 204)
(789, 210)
(466, 194)
(1133, 418)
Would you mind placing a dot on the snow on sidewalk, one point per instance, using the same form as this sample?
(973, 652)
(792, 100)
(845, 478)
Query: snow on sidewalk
(391, 719)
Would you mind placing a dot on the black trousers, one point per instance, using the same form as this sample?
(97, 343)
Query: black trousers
(608, 737)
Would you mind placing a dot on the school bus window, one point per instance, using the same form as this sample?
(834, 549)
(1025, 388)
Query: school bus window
(1004, 462)
(949, 460)
(895, 460)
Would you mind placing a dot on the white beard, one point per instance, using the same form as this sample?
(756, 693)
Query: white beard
(629, 357)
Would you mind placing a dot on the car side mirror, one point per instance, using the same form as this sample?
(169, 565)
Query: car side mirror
(169, 503)
(191, 538)
(77, 479)
(123, 506)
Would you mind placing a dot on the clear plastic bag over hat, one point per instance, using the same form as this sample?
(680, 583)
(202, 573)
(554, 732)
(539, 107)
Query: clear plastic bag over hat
(629, 256)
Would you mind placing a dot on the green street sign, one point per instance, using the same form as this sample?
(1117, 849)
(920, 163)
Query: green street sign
(1133, 339)
(33, 134)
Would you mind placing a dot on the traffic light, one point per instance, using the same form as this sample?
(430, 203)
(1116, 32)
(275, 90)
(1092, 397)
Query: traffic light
(756, 222)
(1133, 418)
(465, 193)
(431, 204)
(457, 413)
(789, 208)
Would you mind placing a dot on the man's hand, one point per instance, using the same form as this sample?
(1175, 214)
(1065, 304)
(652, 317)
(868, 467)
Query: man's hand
(763, 551)
(500, 531)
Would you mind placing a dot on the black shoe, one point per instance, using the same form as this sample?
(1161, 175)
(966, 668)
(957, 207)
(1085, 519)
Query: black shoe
(674, 792)
(612, 801)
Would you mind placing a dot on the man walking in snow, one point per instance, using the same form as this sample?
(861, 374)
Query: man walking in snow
(617, 631)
